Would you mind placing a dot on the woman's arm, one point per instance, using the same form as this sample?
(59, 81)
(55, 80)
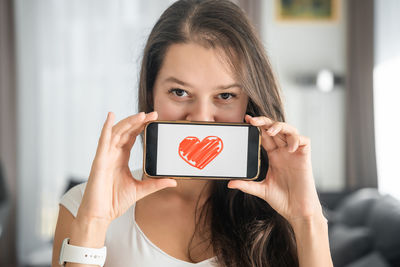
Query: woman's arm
(289, 188)
(111, 188)
(63, 227)
(87, 234)
(312, 242)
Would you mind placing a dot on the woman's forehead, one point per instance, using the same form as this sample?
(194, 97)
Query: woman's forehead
(196, 63)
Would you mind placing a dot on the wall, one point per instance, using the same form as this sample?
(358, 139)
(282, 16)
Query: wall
(76, 63)
(297, 48)
(387, 94)
(77, 60)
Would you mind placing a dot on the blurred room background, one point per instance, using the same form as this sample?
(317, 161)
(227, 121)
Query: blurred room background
(64, 64)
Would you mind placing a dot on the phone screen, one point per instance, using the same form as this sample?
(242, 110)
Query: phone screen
(203, 150)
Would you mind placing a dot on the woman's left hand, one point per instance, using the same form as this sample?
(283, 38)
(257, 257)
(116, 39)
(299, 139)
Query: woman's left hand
(289, 186)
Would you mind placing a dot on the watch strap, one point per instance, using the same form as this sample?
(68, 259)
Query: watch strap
(83, 255)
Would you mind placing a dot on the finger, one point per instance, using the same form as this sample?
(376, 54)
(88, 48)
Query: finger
(105, 135)
(132, 127)
(284, 135)
(129, 136)
(152, 116)
(249, 187)
(293, 142)
(282, 128)
(150, 186)
(274, 131)
(304, 143)
(135, 122)
(149, 117)
(266, 141)
(271, 126)
(296, 142)
(127, 123)
(259, 121)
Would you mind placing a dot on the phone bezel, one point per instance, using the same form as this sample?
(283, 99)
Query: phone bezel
(254, 143)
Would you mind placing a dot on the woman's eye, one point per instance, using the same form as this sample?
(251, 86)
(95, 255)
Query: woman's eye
(178, 92)
(226, 96)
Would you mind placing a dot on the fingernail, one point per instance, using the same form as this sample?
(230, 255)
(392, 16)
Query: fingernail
(271, 130)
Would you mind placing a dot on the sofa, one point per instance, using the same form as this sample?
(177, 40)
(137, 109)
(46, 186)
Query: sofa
(364, 228)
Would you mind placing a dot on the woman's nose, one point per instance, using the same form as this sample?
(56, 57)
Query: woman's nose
(201, 111)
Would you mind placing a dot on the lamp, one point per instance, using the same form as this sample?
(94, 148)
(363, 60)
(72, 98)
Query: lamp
(325, 80)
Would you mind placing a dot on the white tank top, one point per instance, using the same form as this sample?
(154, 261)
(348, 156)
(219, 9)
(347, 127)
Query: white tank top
(127, 245)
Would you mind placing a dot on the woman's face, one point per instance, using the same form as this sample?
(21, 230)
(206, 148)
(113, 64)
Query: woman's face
(195, 84)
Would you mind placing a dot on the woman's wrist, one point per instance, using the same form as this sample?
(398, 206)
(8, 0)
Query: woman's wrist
(88, 232)
(310, 223)
(312, 241)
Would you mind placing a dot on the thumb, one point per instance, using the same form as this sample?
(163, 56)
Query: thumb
(150, 186)
(249, 187)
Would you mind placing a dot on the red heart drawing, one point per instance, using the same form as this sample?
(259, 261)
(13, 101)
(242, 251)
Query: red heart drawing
(199, 154)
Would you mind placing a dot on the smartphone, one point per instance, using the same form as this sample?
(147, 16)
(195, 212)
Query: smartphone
(201, 150)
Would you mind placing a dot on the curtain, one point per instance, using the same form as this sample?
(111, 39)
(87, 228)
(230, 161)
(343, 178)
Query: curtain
(253, 10)
(360, 143)
(77, 60)
(8, 128)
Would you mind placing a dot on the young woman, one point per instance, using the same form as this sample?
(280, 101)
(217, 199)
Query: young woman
(202, 62)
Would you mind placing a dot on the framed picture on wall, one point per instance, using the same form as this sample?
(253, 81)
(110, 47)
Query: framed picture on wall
(307, 10)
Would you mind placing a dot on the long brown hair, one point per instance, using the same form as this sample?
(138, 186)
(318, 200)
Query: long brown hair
(244, 230)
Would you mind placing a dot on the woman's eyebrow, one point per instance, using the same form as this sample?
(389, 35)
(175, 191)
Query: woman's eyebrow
(221, 87)
(225, 87)
(175, 80)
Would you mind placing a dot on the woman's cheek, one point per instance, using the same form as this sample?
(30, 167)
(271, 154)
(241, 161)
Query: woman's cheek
(227, 113)
(170, 111)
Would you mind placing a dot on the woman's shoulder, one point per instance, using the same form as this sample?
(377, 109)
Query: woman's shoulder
(73, 197)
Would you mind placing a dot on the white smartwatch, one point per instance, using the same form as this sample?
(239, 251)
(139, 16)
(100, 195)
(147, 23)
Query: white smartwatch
(75, 254)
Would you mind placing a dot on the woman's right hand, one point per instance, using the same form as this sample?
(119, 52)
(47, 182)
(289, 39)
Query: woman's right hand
(111, 188)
